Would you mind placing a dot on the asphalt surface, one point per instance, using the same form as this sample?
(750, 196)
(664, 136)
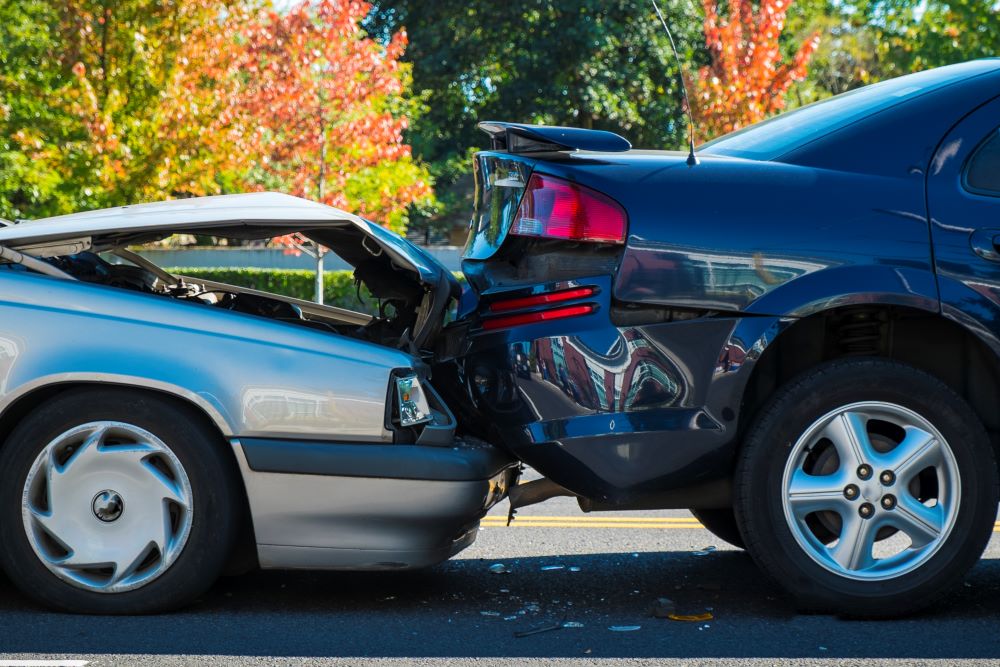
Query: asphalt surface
(600, 572)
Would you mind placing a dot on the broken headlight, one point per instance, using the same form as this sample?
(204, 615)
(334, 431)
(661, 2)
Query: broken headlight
(411, 402)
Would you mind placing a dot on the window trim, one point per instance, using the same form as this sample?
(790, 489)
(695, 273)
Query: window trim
(994, 135)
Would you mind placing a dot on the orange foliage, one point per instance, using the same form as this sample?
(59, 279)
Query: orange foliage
(303, 101)
(746, 80)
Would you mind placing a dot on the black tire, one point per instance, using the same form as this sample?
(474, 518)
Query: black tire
(213, 483)
(768, 445)
(722, 524)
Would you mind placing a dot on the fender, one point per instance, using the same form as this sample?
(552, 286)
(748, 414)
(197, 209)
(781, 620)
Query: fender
(206, 402)
(265, 379)
(849, 285)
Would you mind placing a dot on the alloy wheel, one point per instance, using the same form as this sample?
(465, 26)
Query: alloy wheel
(871, 491)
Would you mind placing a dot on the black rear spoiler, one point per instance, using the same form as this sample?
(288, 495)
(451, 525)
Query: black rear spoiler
(520, 138)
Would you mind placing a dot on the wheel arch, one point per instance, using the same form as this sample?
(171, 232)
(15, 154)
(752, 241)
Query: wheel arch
(38, 390)
(921, 338)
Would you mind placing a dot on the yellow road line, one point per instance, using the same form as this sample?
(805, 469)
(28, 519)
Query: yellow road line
(595, 525)
(601, 519)
(661, 523)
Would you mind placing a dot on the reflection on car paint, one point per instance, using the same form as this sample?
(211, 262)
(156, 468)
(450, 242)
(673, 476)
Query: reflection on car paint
(629, 375)
(706, 279)
(275, 409)
(8, 355)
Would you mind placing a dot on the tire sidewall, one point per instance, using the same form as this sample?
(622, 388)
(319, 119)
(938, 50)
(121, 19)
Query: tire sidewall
(212, 530)
(783, 424)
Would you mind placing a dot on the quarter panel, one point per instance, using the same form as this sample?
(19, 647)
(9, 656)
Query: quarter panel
(741, 232)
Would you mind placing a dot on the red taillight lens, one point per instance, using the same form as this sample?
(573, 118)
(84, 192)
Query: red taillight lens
(541, 299)
(557, 209)
(541, 316)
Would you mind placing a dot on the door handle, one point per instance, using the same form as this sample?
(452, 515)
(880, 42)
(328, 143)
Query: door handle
(984, 243)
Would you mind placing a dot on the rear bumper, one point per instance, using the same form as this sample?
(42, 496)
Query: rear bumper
(319, 505)
(622, 415)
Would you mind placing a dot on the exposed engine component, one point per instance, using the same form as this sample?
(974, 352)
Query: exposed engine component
(397, 306)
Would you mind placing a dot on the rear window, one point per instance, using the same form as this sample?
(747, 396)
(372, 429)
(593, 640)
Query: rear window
(775, 137)
(983, 176)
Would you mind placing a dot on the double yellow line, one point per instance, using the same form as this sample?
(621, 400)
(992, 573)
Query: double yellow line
(528, 521)
(659, 523)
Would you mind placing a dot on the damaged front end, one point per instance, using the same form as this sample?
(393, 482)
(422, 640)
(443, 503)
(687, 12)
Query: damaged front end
(349, 456)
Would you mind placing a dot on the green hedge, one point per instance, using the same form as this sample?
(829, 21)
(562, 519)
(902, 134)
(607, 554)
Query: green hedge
(338, 286)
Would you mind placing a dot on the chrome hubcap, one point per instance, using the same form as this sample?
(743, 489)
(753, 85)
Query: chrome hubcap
(871, 491)
(107, 507)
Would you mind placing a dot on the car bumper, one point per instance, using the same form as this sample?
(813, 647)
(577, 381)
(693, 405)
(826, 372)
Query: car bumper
(368, 506)
(640, 415)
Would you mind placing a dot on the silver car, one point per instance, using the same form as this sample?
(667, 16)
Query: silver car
(157, 428)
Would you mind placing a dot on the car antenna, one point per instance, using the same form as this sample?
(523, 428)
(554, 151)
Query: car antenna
(692, 159)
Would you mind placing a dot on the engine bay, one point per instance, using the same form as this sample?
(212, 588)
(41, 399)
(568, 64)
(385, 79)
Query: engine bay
(395, 308)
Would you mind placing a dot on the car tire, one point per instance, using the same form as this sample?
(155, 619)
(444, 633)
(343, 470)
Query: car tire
(722, 524)
(930, 488)
(164, 513)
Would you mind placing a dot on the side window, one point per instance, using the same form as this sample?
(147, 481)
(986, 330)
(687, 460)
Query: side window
(983, 173)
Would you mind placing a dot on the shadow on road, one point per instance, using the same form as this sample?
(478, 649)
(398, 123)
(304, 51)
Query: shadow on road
(461, 609)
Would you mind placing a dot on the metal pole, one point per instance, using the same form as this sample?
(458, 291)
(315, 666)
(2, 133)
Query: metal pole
(319, 274)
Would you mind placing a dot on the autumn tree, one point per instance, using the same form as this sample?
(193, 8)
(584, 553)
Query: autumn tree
(747, 75)
(302, 101)
(324, 110)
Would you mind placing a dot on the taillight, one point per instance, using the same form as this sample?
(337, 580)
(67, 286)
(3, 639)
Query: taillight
(557, 209)
(506, 321)
(541, 299)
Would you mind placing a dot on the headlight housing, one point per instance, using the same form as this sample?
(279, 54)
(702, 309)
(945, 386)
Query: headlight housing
(412, 406)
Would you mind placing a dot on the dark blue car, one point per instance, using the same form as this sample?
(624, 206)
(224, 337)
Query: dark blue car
(797, 337)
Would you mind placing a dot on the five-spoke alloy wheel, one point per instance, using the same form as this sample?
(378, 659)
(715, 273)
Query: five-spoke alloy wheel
(116, 501)
(867, 488)
(879, 477)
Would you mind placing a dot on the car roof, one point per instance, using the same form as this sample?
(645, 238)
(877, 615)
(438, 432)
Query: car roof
(792, 130)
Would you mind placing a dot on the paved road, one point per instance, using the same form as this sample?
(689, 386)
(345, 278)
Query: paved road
(460, 612)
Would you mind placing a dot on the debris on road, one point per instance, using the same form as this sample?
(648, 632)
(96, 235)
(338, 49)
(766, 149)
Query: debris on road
(538, 630)
(574, 568)
(550, 568)
(704, 552)
(663, 608)
(499, 568)
(624, 628)
(691, 618)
